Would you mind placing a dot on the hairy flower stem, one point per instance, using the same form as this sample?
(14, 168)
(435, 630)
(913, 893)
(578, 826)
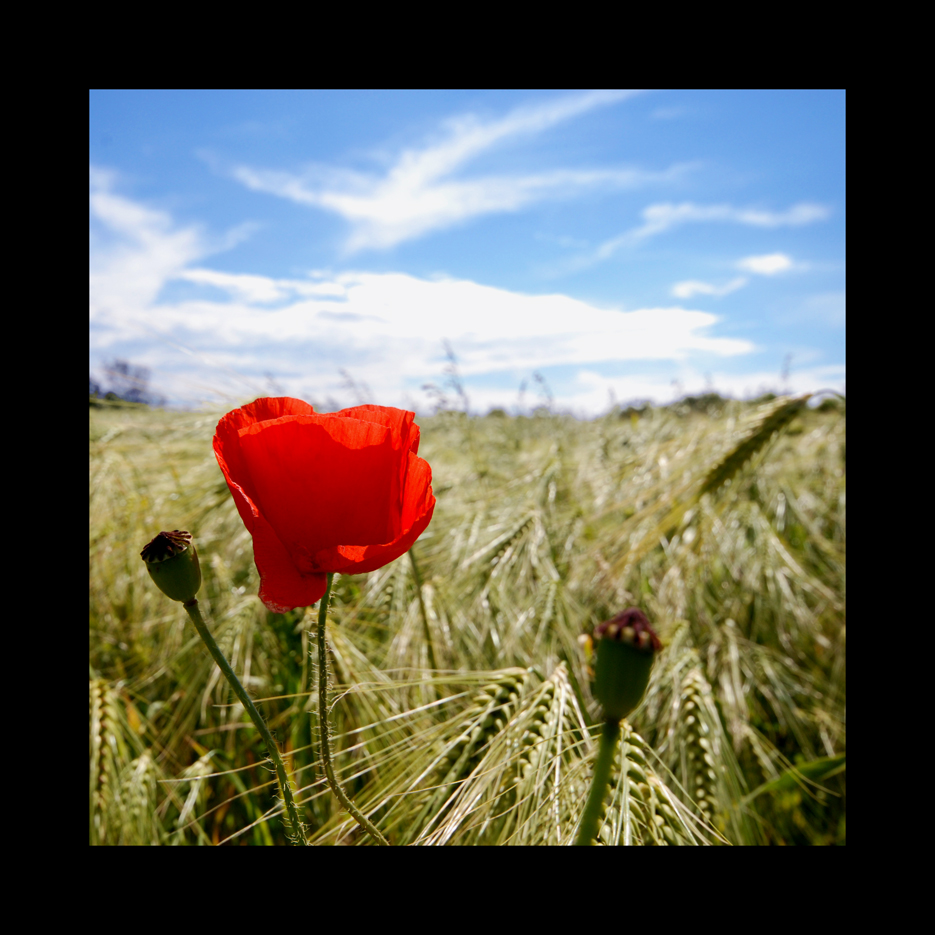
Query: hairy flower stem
(298, 831)
(336, 788)
(591, 818)
(425, 617)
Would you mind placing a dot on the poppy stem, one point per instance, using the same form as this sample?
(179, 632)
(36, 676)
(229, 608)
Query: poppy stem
(343, 798)
(425, 617)
(298, 831)
(590, 820)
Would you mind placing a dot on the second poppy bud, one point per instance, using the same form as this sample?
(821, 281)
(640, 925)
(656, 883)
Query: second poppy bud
(625, 648)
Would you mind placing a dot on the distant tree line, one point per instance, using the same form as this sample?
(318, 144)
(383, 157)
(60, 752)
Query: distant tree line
(125, 383)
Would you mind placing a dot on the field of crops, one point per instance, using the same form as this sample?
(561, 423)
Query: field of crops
(473, 722)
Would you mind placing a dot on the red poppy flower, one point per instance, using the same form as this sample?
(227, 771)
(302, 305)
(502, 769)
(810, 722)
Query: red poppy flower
(341, 492)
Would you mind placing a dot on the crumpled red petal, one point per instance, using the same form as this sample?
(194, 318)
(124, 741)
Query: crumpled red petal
(282, 586)
(320, 481)
(320, 493)
(227, 444)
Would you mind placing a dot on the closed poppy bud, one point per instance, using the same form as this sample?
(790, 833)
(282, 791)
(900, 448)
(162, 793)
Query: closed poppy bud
(342, 492)
(625, 648)
(172, 563)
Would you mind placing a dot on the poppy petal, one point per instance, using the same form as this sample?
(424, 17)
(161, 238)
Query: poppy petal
(282, 586)
(227, 446)
(321, 481)
(321, 493)
(404, 431)
(377, 556)
(418, 507)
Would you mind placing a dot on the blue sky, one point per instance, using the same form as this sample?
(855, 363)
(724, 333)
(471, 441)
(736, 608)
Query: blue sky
(620, 245)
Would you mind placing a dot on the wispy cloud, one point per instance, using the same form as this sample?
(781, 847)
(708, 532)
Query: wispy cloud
(261, 290)
(685, 290)
(663, 217)
(421, 190)
(766, 265)
(384, 327)
(134, 249)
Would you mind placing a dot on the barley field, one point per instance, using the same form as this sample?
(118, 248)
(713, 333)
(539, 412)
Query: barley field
(472, 722)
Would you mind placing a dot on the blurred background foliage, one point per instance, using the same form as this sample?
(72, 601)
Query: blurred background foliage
(466, 717)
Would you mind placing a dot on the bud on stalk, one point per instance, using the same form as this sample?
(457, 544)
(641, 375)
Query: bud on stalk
(625, 647)
(172, 563)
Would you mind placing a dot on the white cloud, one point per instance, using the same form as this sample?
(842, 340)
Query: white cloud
(386, 329)
(659, 218)
(420, 193)
(685, 290)
(259, 290)
(134, 249)
(767, 265)
(401, 321)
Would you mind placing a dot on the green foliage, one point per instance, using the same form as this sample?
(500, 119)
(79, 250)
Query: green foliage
(472, 722)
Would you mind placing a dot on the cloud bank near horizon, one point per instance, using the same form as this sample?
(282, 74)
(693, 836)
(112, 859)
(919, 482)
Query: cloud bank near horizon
(213, 335)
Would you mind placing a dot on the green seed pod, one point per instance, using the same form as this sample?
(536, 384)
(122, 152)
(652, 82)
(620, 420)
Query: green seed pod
(625, 648)
(172, 563)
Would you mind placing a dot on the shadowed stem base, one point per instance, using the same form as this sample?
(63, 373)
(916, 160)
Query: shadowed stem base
(336, 788)
(298, 832)
(590, 820)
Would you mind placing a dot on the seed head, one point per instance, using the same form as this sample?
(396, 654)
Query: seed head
(629, 626)
(625, 647)
(172, 563)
